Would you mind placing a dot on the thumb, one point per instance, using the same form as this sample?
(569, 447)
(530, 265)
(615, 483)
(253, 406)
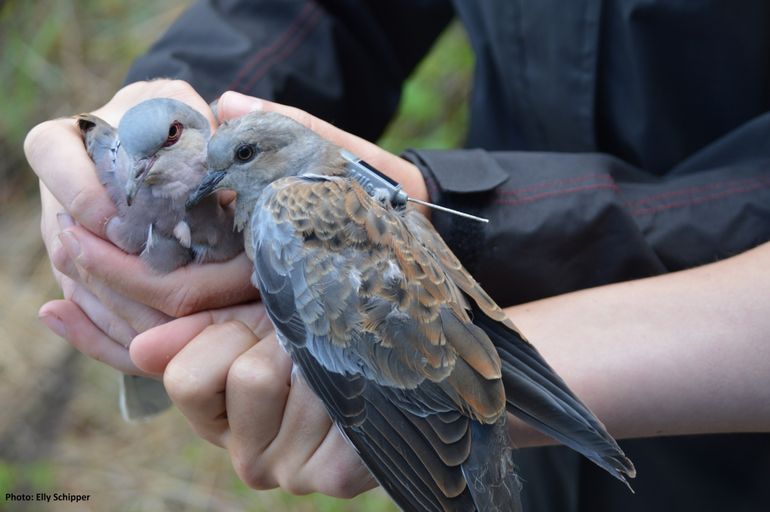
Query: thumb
(234, 104)
(154, 348)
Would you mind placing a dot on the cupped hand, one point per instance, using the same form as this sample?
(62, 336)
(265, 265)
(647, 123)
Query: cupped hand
(110, 296)
(226, 372)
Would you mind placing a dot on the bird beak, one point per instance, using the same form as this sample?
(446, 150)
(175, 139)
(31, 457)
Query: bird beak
(138, 174)
(207, 186)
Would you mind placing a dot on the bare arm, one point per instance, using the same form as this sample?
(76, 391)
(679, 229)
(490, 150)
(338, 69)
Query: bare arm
(682, 353)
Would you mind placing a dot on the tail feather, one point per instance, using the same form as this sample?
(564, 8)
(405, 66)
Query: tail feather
(489, 469)
(538, 396)
(141, 397)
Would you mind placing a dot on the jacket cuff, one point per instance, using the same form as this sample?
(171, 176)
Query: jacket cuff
(462, 180)
(457, 171)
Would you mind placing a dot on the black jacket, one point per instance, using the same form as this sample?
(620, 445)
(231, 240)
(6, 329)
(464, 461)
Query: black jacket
(611, 140)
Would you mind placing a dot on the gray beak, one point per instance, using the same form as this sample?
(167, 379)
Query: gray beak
(138, 173)
(207, 186)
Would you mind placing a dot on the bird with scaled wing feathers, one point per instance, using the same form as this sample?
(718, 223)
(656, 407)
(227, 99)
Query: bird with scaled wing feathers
(414, 362)
(149, 166)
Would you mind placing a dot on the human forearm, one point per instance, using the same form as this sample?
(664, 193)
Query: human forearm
(579, 220)
(683, 353)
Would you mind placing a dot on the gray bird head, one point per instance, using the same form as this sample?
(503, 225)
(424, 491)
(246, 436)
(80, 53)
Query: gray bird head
(163, 137)
(248, 153)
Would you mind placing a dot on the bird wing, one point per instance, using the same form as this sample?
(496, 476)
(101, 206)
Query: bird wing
(382, 336)
(103, 146)
(113, 168)
(534, 392)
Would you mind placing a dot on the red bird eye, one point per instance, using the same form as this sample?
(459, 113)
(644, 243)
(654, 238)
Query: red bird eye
(174, 132)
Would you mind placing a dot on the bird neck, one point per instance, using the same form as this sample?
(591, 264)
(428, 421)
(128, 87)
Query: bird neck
(245, 203)
(325, 161)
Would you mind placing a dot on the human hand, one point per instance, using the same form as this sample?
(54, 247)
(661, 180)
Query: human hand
(227, 374)
(109, 296)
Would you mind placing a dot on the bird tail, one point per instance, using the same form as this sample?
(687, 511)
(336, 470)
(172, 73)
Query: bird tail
(538, 396)
(489, 470)
(141, 397)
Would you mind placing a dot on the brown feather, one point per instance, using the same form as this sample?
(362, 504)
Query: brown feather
(404, 276)
(451, 448)
(473, 345)
(482, 399)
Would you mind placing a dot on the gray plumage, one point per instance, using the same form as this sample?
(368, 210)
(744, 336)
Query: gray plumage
(415, 363)
(141, 397)
(154, 159)
(149, 166)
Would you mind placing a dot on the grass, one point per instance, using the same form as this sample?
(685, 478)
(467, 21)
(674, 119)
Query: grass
(60, 430)
(434, 107)
(60, 57)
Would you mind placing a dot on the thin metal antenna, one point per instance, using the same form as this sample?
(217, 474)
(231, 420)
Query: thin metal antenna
(373, 180)
(448, 210)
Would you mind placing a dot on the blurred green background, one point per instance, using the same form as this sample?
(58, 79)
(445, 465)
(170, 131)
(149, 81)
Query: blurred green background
(60, 429)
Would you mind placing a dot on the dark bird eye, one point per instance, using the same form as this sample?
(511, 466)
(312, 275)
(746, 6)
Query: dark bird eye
(245, 152)
(174, 132)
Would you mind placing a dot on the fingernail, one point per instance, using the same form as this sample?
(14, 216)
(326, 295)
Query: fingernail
(236, 102)
(65, 220)
(59, 256)
(112, 229)
(70, 243)
(54, 323)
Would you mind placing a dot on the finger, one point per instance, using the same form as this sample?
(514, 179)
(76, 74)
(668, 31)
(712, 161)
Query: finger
(195, 379)
(103, 318)
(234, 104)
(305, 426)
(138, 316)
(56, 154)
(50, 227)
(137, 92)
(61, 264)
(184, 291)
(153, 349)
(258, 385)
(336, 468)
(117, 316)
(226, 197)
(66, 319)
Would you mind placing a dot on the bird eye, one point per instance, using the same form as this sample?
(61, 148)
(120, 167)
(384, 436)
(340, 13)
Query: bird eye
(245, 152)
(174, 132)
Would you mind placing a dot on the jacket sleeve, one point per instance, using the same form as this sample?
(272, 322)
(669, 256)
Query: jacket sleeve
(341, 60)
(563, 222)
